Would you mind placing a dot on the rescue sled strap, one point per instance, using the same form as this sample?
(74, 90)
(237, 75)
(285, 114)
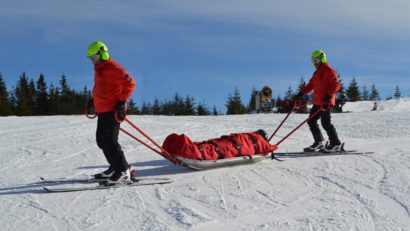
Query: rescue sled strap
(216, 149)
(202, 151)
(253, 142)
(235, 144)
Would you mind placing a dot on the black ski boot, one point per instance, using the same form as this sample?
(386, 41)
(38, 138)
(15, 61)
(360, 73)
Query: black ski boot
(316, 146)
(104, 175)
(118, 178)
(332, 148)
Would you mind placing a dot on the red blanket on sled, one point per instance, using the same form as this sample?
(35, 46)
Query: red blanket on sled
(233, 145)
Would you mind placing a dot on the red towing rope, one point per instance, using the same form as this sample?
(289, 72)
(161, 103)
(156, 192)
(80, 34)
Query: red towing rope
(322, 108)
(161, 151)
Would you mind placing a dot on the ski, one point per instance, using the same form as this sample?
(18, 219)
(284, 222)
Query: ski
(102, 187)
(319, 153)
(90, 179)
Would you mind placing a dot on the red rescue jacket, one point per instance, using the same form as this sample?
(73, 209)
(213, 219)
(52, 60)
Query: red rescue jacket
(112, 83)
(323, 82)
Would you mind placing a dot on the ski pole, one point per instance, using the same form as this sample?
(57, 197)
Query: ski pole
(309, 118)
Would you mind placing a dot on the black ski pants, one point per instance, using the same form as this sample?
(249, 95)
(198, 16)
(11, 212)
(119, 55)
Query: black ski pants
(107, 139)
(326, 124)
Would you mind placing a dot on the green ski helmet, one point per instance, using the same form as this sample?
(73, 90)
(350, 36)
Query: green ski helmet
(98, 48)
(319, 55)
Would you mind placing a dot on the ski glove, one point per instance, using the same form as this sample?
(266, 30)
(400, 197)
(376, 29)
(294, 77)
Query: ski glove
(327, 99)
(120, 110)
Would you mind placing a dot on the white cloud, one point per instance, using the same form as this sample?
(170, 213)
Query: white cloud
(359, 34)
(331, 18)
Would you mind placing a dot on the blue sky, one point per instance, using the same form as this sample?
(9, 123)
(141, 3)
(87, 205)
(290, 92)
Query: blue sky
(207, 48)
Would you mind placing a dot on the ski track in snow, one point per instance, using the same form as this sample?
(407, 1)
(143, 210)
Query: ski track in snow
(355, 192)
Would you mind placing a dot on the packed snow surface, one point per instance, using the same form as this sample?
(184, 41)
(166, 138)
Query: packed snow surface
(340, 192)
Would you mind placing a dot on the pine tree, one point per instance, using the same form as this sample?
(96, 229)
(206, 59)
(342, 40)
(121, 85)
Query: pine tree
(146, 109)
(132, 108)
(288, 93)
(202, 109)
(252, 100)
(352, 92)
(83, 103)
(32, 92)
(303, 108)
(234, 104)
(13, 100)
(42, 105)
(302, 84)
(66, 98)
(87, 94)
(365, 94)
(189, 105)
(229, 105)
(167, 108)
(156, 107)
(81, 100)
(178, 105)
(397, 93)
(214, 111)
(24, 99)
(374, 95)
(340, 98)
(5, 101)
(54, 95)
(63, 84)
(278, 102)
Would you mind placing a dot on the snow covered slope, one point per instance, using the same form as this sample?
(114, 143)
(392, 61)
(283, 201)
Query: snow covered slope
(351, 192)
(402, 104)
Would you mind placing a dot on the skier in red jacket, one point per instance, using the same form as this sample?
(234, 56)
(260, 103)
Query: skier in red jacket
(113, 86)
(325, 84)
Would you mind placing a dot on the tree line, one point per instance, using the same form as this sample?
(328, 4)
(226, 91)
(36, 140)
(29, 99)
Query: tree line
(34, 98)
(31, 97)
(177, 106)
